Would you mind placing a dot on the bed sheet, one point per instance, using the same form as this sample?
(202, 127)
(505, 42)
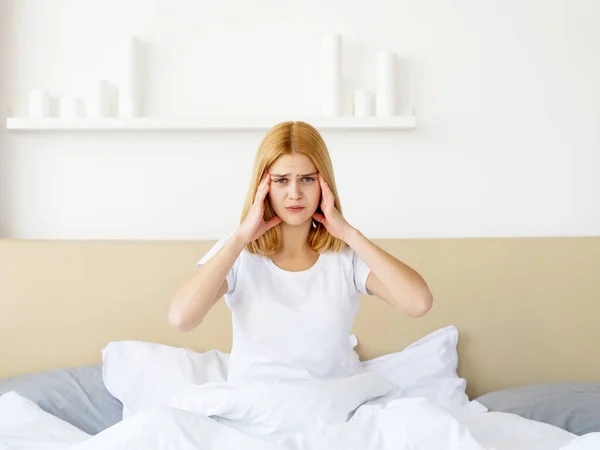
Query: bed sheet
(362, 412)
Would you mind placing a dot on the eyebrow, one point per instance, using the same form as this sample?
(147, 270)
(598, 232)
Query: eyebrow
(287, 175)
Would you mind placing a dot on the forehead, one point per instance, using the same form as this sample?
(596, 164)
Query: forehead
(294, 163)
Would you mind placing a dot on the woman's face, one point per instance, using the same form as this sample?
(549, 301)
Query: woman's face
(295, 191)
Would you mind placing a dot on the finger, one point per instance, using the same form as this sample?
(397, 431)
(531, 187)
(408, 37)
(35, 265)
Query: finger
(321, 181)
(326, 189)
(261, 195)
(258, 196)
(323, 191)
(263, 189)
(324, 202)
(274, 221)
(327, 203)
(265, 180)
(266, 187)
(319, 217)
(329, 195)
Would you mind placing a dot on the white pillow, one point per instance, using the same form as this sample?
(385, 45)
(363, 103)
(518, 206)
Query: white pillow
(428, 368)
(26, 425)
(279, 409)
(144, 375)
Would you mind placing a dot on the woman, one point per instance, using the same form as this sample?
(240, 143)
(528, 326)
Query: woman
(293, 271)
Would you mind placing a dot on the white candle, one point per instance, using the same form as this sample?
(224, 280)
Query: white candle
(99, 100)
(362, 103)
(387, 89)
(70, 107)
(332, 75)
(129, 105)
(39, 103)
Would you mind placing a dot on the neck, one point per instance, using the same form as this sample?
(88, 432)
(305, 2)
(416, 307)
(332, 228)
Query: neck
(294, 237)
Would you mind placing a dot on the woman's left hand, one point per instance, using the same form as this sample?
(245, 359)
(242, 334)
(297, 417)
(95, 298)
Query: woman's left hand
(331, 218)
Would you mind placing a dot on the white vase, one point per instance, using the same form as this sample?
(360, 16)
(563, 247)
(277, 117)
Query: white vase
(387, 84)
(129, 101)
(363, 104)
(39, 103)
(332, 75)
(70, 107)
(99, 104)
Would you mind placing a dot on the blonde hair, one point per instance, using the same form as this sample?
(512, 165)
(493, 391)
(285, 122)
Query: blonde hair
(284, 139)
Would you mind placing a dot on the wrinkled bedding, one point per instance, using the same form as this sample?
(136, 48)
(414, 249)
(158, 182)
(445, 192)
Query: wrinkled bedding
(365, 411)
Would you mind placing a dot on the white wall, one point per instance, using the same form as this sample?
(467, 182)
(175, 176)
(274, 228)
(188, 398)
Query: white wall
(507, 95)
(5, 44)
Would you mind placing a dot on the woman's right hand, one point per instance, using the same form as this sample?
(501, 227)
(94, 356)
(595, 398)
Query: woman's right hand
(254, 226)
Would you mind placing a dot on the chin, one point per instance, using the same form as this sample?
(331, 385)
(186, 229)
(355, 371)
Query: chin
(295, 220)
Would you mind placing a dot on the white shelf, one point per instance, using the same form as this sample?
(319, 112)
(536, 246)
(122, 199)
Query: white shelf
(208, 123)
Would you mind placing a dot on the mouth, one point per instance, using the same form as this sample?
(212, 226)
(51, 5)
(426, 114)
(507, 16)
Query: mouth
(295, 209)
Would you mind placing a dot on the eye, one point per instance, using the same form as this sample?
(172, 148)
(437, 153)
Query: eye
(281, 180)
(308, 179)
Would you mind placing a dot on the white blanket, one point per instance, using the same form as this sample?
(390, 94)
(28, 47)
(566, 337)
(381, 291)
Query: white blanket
(361, 412)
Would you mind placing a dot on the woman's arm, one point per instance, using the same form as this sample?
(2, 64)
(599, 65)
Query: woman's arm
(390, 279)
(194, 299)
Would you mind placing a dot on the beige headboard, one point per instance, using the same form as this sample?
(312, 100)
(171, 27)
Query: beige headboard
(527, 309)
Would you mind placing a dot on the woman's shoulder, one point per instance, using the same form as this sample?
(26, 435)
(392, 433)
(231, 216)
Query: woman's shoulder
(216, 247)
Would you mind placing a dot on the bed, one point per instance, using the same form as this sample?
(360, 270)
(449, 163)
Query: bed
(524, 310)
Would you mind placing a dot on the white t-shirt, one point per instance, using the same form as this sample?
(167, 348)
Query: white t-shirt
(293, 325)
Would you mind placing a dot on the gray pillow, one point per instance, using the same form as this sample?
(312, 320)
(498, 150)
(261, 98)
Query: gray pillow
(75, 395)
(574, 407)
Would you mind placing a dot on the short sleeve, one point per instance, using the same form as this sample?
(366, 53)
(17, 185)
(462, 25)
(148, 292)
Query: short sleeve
(361, 273)
(231, 276)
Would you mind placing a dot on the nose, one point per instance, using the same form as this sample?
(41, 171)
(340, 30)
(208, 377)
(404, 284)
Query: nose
(294, 192)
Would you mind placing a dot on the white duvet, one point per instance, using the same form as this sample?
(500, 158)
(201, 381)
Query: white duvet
(362, 412)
